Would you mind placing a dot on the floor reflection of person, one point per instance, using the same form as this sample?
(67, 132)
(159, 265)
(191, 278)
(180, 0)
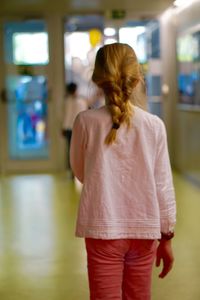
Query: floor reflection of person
(127, 210)
(73, 105)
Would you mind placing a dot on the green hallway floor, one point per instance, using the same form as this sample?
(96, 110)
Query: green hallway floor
(40, 259)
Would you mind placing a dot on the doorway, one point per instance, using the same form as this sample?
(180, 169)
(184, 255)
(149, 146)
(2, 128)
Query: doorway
(25, 100)
(83, 36)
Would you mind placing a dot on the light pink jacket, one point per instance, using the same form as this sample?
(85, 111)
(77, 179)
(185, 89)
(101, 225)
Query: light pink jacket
(127, 186)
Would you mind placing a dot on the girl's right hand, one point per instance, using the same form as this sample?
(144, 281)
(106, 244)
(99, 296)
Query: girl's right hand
(165, 254)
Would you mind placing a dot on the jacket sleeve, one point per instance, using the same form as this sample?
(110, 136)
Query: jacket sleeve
(164, 183)
(77, 148)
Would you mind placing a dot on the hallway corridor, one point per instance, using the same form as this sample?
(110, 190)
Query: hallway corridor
(40, 259)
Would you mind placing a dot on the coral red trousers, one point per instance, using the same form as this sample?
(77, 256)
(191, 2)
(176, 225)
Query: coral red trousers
(120, 269)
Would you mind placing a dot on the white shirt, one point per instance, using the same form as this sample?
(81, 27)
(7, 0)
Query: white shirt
(127, 186)
(73, 106)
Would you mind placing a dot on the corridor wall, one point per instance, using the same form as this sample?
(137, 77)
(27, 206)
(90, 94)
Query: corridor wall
(183, 121)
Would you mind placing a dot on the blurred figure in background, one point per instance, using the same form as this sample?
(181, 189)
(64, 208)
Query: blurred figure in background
(73, 105)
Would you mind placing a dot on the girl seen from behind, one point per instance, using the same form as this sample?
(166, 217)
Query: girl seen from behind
(127, 209)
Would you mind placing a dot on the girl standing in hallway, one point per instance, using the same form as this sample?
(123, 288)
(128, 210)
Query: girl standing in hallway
(74, 104)
(119, 152)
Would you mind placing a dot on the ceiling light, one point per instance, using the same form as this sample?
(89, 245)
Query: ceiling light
(179, 3)
(109, 31)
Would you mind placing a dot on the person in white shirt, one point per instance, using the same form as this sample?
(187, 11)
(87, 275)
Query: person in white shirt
(74, 104)
(119, 152)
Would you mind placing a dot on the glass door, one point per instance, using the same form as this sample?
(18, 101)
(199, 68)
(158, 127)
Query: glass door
(27, 115)
(25, 96)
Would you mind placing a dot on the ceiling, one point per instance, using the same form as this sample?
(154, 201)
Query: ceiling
(135, 8)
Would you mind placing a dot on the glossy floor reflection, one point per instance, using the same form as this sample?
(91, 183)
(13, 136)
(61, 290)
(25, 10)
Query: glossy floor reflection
(40, 259)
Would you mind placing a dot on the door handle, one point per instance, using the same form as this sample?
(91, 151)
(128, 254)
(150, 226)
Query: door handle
(3, 95)
(49, 95)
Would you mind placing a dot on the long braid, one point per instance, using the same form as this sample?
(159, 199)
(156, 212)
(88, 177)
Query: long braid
(117, 73)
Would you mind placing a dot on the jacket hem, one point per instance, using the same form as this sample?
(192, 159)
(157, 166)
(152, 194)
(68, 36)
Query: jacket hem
(106, 235)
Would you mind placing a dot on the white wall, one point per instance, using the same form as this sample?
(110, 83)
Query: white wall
(57, 88)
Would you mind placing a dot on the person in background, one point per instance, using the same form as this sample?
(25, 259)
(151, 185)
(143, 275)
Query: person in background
(127, 209)
(73, 105)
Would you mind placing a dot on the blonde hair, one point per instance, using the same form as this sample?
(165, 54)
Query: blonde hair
(117, 73)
